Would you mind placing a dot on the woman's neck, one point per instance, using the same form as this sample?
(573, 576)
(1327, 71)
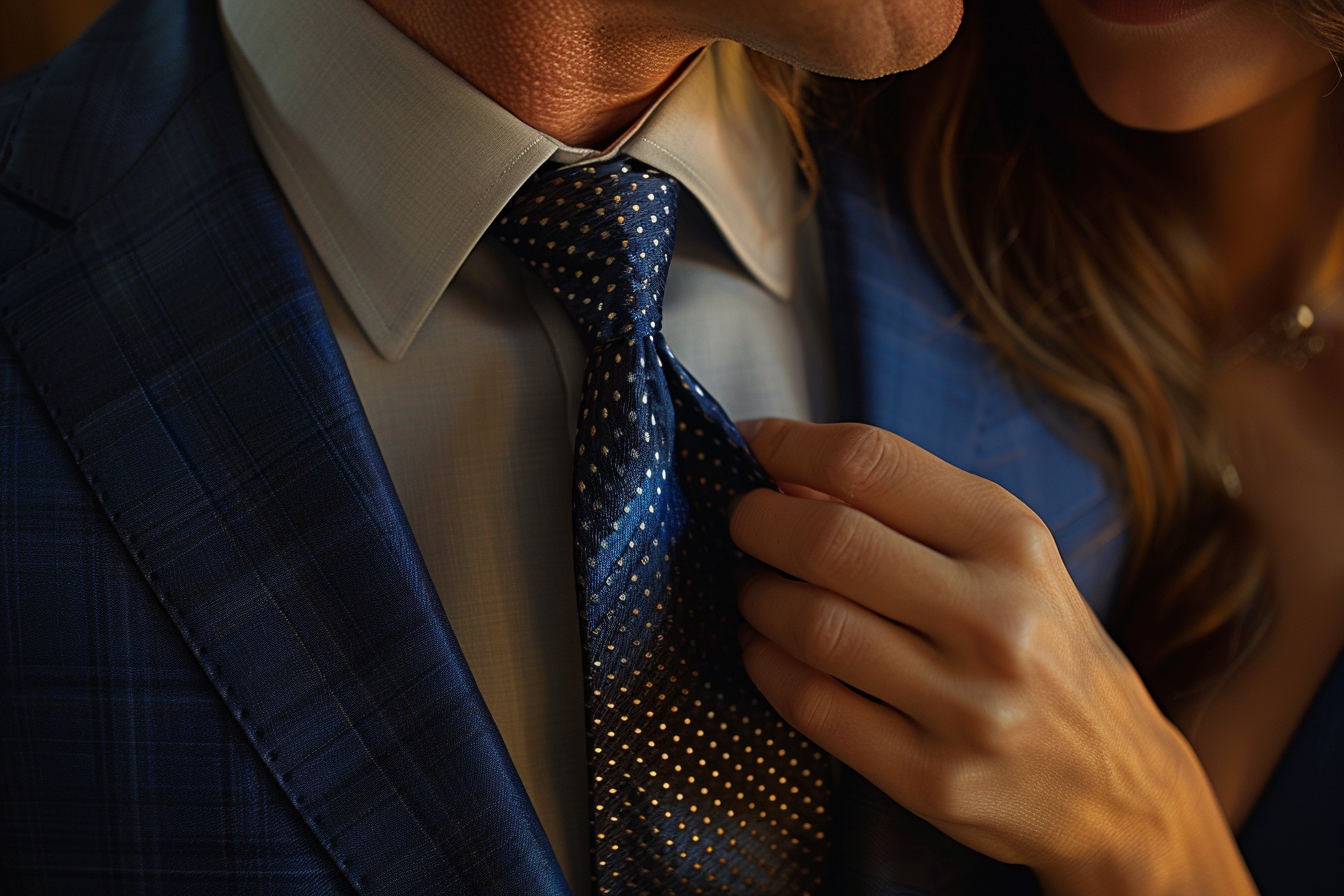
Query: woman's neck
(1266, 188)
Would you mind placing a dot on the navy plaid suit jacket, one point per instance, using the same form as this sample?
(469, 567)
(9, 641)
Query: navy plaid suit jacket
(223, 667)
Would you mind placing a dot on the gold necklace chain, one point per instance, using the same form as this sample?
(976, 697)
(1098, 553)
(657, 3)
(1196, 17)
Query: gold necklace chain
(1291, 338)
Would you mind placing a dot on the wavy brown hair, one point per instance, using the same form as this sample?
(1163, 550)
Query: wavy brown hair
(1054, 227)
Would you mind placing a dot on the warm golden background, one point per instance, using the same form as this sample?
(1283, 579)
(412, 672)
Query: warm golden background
(32, 30)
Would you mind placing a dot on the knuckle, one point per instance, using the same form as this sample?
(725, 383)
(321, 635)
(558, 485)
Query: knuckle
(970, 722)
(825, 631)
(836, 540)
(942, 790)
(862, 457)
(808, 706)
(990, 725)
(1007, 640)
(1018, 628)
(1025, 540)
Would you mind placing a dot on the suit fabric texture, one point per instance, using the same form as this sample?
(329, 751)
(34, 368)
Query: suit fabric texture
(225, 668)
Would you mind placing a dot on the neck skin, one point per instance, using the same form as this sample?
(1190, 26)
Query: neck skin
(1266, 188)
(581, 71)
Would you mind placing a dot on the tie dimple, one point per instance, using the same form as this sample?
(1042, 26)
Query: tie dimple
(696, 785)
(601, 240)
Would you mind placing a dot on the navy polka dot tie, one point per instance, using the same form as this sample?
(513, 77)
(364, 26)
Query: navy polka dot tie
(696, 785)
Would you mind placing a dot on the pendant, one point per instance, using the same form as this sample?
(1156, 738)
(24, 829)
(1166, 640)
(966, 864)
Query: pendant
(1290, 340)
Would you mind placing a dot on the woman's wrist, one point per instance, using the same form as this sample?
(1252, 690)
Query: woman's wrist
(1180, 844)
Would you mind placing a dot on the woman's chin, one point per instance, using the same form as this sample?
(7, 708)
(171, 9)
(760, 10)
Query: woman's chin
(1162, 107)
(1223, 59)
(1155, 100)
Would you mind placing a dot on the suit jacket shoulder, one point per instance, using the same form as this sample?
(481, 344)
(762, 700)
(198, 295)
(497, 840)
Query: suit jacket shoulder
(224, 666)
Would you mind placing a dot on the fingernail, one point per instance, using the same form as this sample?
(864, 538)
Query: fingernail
(749, 428)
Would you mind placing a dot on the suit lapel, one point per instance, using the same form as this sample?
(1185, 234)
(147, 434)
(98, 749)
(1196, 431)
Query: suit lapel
(181, 350)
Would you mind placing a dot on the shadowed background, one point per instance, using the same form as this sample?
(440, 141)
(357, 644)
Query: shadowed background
(33, 30)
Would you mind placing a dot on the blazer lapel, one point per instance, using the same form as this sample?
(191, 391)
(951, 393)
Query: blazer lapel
(181, 350)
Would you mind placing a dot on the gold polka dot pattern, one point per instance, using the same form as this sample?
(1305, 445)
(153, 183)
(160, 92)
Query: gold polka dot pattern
(697, 785)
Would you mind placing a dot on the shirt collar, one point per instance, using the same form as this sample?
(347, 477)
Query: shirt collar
(396, 166)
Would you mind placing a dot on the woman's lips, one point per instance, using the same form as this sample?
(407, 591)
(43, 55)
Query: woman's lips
(1146, 12)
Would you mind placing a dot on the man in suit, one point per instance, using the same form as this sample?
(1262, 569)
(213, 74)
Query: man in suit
(286, 447)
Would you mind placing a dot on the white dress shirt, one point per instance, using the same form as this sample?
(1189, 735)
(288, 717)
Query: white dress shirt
(469, 371)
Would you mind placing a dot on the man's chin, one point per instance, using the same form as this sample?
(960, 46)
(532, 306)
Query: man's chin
(893, 36)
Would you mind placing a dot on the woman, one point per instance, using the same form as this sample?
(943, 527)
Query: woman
(1138, 205)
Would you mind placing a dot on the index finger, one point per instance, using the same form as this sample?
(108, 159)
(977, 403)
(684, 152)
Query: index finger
(892, 480)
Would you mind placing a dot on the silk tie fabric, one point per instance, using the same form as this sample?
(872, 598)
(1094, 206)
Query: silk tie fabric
(697, 786)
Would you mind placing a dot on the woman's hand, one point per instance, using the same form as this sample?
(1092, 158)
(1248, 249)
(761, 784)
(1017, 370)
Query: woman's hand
(1001, 710)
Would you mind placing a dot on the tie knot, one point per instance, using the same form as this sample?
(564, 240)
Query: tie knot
(600, 236)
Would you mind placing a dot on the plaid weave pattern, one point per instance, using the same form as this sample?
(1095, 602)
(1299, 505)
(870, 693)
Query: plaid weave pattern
(224, 666)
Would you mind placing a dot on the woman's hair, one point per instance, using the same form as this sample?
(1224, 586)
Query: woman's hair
(791, 90)
(1054, 227)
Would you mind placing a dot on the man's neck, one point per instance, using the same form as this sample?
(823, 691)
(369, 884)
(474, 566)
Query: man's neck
(581, 71)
